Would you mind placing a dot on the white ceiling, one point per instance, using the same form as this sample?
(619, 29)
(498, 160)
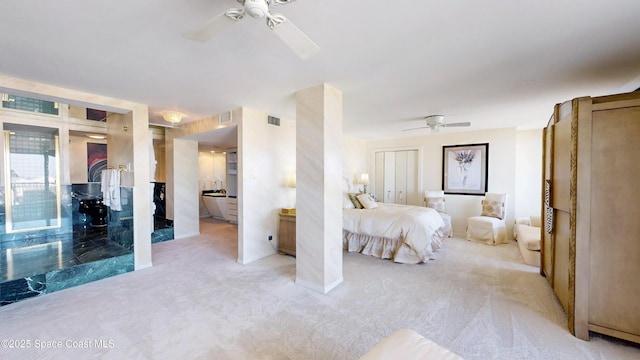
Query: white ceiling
(494, 63)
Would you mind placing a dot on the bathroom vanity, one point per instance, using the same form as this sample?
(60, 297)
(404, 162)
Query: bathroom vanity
(216, 203)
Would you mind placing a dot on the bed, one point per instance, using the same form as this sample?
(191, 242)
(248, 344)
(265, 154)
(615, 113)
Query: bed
(403, 233)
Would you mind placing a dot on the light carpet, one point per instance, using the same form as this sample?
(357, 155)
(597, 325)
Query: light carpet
(197, 302)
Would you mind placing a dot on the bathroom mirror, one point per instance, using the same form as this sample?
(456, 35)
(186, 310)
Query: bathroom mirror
(32, 178)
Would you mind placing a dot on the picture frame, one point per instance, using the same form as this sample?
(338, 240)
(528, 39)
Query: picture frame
(465, 169)
(96, 161)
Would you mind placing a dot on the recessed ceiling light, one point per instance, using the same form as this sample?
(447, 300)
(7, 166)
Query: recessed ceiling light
(99, 137)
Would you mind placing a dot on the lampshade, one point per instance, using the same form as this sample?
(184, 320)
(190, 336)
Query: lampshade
(172, 116)
(291, 180)
(364, 179)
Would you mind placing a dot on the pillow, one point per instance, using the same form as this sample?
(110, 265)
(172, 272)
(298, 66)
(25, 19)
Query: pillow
(436, 203)
(346, 202)
(493, 209)
(366, 201)
(495, 197)
(355, 201)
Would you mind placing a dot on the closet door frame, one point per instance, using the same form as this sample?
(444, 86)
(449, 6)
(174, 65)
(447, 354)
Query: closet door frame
(418, 170)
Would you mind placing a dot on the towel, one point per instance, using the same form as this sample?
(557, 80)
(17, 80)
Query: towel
(110, 186)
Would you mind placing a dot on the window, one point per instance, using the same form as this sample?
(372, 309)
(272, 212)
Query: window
(32, 182)
(28, 104)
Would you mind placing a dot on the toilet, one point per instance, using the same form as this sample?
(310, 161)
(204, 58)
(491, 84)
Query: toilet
(96, 209)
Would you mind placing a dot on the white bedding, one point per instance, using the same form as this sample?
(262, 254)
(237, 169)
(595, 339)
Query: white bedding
(418, 228)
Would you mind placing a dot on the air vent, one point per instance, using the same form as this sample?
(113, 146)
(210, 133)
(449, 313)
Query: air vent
(225, 117)
(273, 120)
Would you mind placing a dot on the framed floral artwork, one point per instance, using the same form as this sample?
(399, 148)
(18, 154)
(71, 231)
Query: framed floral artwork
(465, 169)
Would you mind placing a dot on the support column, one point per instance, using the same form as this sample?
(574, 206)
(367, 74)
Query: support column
(186, 212)
(142, 224)
(318, 188)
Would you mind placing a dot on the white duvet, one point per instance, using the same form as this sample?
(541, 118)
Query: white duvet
(417, 225)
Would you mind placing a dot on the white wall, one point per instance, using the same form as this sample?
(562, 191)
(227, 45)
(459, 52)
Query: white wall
(528, 172)
(502, 163)
(266, 155)
(354, 154)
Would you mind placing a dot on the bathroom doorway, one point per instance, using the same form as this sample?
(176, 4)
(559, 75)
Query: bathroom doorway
(217, 176)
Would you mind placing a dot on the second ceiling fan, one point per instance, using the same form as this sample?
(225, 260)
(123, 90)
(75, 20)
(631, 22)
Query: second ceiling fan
(435, 122)
(300, 43)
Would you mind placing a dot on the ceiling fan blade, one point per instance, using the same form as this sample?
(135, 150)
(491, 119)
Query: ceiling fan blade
(300, 43)
(418, 128)
(456, 124)
(213, 26)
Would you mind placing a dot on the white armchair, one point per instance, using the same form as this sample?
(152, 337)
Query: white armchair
(490, 227)
(435, 200)
(527, 233)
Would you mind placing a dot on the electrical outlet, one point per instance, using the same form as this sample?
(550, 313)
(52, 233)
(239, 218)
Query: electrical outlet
(270, 237)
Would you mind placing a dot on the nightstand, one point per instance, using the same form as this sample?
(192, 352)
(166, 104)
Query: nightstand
(287, 234)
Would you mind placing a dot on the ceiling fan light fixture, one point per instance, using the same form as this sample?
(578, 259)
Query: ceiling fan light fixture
(173, 117)
(435, 118)
(256, 8)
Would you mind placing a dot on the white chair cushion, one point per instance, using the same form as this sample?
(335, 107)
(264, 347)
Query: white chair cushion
(529, 244)
(488, 230)
(529, 236)
(536, 221)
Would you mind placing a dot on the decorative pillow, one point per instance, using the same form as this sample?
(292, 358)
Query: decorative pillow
(495, 197)
(355, 201)
(346, 202)
(436, 203)
(367, 201)
(493, 209)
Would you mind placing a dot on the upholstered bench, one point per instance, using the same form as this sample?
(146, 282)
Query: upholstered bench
(407, 344)
(527, 233)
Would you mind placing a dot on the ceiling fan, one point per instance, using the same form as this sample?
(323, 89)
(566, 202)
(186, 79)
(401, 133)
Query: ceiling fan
(434, 122)
(300, 43)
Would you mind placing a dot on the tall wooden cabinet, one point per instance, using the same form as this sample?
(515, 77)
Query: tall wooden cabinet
(591, 211)
(287, 234)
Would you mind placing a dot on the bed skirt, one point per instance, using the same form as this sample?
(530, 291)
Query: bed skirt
(383, 248)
